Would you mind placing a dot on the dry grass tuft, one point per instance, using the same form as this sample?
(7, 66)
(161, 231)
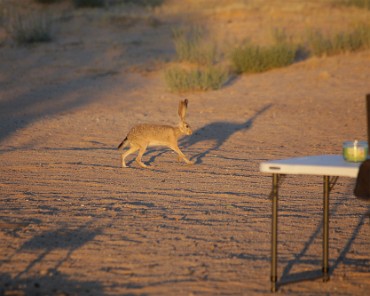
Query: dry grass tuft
(27, 28)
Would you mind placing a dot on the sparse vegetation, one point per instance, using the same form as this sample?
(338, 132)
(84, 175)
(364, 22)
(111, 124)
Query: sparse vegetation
(359, 3)
(29, 28)
(47, 1)
(198, 58)
(253, 58)
(181, 80)
(89, 3)
(102, 3)
(149, 3)
(357, 39)
(192, 47)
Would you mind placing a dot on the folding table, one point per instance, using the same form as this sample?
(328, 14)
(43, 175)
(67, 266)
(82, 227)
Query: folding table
(330, 167)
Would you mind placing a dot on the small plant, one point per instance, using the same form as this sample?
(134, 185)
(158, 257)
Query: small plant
(253, 58)
(355, 40)
(148, 3)
(30, 28)
(181, 80)
(89, 3)
(47, 1)
(191, 47)
(202, 73)
(359, 3)
(362, 34)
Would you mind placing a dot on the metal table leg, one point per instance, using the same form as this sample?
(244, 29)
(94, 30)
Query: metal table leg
(275, 193)
(325, 251)
(328, 186)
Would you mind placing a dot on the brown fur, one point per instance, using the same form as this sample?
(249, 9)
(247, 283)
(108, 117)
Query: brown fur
(144, 135)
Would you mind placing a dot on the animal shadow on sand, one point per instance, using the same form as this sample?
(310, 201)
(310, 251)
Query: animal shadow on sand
(218, 133)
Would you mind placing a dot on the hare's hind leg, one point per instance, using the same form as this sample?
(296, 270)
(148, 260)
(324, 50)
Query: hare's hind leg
(132, 149)
(140, 155)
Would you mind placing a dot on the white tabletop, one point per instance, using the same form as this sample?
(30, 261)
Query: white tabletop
(324, 165)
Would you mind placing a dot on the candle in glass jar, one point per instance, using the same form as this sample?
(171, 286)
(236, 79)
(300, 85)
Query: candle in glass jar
(355, 151)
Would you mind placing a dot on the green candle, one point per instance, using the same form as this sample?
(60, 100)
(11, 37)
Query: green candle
(355, 151)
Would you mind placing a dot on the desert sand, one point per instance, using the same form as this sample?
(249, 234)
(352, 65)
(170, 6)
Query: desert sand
(73, 222)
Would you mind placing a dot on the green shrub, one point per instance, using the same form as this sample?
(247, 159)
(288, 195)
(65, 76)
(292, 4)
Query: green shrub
(359, 3)
(30, 28)
(357, 39)
(362, 34)
(182, 80)
(101, 3)
(191, 47)
(47, 1)
(89, 3)
(149, 3)
(253, 58)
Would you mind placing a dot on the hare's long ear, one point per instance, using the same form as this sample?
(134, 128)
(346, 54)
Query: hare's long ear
(183, 105)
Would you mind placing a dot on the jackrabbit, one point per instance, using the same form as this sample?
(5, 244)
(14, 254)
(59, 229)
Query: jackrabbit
(143, 135)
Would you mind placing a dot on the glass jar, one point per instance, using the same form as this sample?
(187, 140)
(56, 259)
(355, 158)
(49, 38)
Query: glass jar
(355, 151)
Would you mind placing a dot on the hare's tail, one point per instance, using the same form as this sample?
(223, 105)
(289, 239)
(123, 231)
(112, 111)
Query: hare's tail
(123, 143)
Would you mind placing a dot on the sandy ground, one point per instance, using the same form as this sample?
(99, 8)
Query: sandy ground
(73, 222)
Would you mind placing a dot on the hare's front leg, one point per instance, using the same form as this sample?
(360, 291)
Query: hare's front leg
(140, 155)
(180, 154)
